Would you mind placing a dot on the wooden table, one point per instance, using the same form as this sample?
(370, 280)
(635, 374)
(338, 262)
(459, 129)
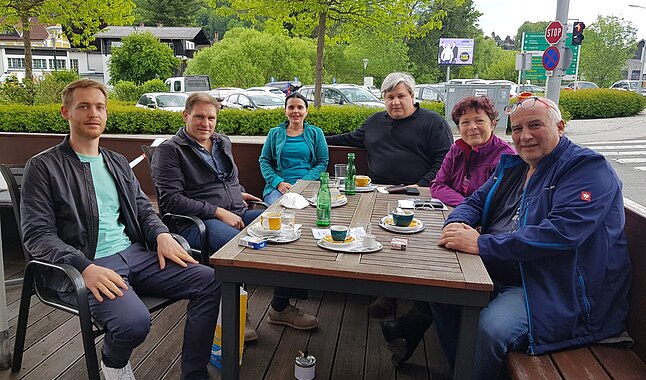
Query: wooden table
(423, 271)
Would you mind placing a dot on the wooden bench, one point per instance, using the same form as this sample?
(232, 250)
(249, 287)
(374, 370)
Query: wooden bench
(601, 361)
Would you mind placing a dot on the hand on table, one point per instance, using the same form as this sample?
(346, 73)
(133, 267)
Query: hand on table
(229, 218)
(102, 280)
(169, 248)
(460, 237)
(284, 187)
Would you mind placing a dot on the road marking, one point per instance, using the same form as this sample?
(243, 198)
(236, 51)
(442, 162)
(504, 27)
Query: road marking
(597, 147)
(614, 142)
(640, 168)
(631, 153)
(630, 160)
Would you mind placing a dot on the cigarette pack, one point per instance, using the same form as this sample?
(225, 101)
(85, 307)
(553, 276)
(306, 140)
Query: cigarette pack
(252, 242)
(399, 243)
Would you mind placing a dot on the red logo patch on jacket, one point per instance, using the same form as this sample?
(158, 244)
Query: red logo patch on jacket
(586, 196)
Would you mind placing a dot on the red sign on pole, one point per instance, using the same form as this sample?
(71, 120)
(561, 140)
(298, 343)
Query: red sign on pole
(554, 32)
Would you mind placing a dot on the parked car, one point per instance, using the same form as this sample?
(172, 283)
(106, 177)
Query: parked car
(266, 89)
(254, 101)
(375, 90)
(287, 86)
(518, 88)
(467, 81)
(167, 101)
(430, 92)
(580, 85)
(222, 92)
(191, 83)
(629, 85)
(343, 94)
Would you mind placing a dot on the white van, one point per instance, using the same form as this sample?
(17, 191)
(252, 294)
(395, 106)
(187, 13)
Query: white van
(192, 83)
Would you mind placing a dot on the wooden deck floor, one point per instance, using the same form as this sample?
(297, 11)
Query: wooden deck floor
(347, 344)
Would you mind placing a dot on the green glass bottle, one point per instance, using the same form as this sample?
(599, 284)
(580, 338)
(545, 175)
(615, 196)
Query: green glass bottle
(323, 201)
(350, 176)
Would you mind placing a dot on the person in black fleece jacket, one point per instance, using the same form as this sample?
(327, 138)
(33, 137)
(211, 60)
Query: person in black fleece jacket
(405, 144)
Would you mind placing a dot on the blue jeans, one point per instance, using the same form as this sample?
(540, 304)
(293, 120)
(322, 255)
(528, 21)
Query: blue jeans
(272, 197)
(218, 232)
(127, 319)
(503, 327)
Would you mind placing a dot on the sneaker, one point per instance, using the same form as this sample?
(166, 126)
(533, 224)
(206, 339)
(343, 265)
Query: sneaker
(382, 307)
(124, 373)
(250, 334)
(292, 317)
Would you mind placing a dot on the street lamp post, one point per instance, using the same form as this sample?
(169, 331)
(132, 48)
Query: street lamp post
(641, 62)
(365, 66)
(54, 46)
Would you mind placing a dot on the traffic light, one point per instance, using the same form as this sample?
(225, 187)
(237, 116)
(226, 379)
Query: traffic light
(577, 33)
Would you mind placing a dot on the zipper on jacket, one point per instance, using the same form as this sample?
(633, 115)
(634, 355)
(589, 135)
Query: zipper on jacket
(521, 222)
(586, 302)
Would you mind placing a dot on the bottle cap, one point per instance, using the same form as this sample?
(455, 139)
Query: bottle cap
(350, 155)
(325, 175)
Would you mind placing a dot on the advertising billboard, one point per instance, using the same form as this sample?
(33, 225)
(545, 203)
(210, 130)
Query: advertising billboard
(455, 51)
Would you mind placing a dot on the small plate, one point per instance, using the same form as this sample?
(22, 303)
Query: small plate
(353, 248)
(387, 223)
(329, 242)
(340, 201)
(262, 232)
(285, 236)
(361, 189)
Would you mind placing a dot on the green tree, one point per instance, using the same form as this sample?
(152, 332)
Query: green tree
(332, 20)
(530, 27)
(609, 43)
(141, 57)
(247, 57)
(168, 12)
(81, 19)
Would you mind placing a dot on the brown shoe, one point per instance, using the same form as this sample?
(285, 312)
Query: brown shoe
(250, 334)
(382, 307)
(292, 317)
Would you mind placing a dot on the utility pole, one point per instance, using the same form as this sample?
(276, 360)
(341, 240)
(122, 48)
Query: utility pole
(553, 84)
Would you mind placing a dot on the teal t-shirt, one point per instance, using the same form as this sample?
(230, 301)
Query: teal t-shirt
(112, 233)
(295, 158)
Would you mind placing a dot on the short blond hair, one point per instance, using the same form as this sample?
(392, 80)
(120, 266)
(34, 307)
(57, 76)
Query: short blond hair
(68, 91)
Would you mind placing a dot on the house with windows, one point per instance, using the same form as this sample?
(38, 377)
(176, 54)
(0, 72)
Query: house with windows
(52, 51)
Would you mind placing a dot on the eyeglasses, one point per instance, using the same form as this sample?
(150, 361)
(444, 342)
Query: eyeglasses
(527, 104)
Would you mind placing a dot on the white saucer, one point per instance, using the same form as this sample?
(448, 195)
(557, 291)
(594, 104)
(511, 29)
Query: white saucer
(361, 189)
(354, 247)
(402, 230)
(340, 201)
(262, 232)
(285, 236)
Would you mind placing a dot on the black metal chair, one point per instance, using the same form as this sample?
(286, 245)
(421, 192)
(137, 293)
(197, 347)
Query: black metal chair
(32, 284)
(174, 220)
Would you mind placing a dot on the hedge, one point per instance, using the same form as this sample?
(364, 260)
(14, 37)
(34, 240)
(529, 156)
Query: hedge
(597, 103)
(125, 119)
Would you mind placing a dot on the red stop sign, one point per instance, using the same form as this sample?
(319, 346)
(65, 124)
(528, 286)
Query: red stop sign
(554, 32)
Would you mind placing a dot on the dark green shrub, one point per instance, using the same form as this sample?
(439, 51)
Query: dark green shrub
(13, 91)
(126, 91)
(153, 85)
(602, 103)
(49, 89)
(126, 119)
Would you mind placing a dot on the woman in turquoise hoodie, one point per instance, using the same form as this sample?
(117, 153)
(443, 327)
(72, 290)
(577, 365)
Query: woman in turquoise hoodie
(293, 150)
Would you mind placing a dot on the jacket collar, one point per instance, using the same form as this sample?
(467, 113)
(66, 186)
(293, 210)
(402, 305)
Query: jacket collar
(509, 160)
(184, 139)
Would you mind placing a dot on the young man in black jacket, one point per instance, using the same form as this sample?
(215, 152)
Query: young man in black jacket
(82, 205)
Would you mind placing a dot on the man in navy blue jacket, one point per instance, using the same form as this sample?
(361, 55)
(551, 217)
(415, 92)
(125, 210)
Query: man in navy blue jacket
(548, 226)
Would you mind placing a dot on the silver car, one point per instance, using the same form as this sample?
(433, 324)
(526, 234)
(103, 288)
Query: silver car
(343, 94)
(254, 101)
(167, 101)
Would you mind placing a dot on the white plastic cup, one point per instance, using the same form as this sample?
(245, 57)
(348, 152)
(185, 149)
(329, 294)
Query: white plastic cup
(369, 241)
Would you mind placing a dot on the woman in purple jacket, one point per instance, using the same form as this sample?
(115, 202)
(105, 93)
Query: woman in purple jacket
(469, 163)
(472, 158)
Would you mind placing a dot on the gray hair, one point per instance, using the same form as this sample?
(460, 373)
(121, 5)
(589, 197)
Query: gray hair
(393, 79)
(553, 110)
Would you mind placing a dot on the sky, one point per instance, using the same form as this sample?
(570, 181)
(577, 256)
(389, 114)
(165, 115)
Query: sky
(504, 17)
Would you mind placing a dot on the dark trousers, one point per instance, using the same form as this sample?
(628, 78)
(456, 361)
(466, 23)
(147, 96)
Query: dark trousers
(127, 319)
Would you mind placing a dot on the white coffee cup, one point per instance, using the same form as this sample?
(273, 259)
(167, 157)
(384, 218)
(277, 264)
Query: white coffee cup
(369, 241)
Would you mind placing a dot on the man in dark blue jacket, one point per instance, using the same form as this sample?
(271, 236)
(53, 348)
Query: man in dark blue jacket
(82, 205)
(548, 226)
